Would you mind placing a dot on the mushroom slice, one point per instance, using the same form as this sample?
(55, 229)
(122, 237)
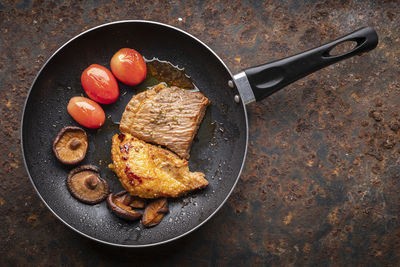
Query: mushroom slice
(86, 185)
(131, 201)
(137, 202)
(70, 145)
(120, 204)
(154, 212)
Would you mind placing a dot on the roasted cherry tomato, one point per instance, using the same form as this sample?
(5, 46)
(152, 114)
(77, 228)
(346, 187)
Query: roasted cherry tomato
(128, 66)
(86, 112)
(99, 84)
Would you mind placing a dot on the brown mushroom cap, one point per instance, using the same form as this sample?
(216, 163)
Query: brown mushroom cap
(120, 204)
(154, 212)
(86, 185)
(70, 145)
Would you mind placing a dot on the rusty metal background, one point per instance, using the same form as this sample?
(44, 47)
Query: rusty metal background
(322, 180)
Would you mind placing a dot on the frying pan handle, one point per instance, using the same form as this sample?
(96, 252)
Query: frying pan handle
(269, 78)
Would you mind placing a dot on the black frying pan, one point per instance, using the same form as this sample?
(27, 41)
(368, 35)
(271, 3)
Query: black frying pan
(219, 150)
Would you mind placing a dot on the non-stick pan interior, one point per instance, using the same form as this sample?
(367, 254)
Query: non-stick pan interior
(218, 150)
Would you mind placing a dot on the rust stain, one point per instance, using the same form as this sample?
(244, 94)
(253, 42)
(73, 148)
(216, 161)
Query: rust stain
(33, 220)
(307, 248)
(288, 218)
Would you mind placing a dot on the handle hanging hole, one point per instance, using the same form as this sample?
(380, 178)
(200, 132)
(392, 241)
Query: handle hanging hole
(342, 48)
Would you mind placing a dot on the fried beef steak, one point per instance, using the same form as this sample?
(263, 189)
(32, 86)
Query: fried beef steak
(167, 116)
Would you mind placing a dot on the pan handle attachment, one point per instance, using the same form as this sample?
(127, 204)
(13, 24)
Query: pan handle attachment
(266, 79)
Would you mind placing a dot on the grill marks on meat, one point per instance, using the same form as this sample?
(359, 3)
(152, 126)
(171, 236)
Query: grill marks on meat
(167, 116)
(149, 171)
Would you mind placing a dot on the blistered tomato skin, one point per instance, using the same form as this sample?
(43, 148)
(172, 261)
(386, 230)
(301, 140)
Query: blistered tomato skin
(86, 112)
(100, 84)
(128, 66)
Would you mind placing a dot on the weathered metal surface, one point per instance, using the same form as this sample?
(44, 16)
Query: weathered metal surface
(322, 180)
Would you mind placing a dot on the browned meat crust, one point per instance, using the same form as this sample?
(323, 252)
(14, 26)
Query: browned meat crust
(150, 171)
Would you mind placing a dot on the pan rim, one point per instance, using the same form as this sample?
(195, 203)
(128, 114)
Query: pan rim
(66, 223)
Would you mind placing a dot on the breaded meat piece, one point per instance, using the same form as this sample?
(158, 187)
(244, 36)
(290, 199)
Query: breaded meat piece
(149, 171)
